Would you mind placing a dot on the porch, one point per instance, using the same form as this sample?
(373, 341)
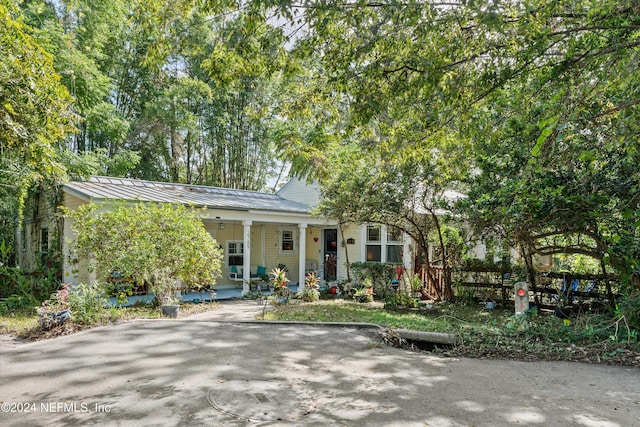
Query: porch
(252, 249)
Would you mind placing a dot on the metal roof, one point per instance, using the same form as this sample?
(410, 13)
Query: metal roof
(107, 188)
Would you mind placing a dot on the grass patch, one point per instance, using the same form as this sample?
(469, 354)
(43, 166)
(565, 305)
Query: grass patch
(25, 323)
(479, 333)
(496, 333)
(18, 322)
(332, 311)
(443, 318)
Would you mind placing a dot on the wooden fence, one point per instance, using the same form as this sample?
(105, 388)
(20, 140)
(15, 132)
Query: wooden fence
(552, 289)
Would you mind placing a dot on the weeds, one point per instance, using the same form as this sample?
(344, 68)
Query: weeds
(87, 303)
(496, 333)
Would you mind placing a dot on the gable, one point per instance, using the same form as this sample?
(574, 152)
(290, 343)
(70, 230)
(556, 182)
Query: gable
(301, 192)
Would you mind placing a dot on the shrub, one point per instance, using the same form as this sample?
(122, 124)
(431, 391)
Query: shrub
(379, 275)
(280, 288)
(87, 303)
(311, 291)
(401, 299)
(364, 293)
(163, 244)
(19, 290)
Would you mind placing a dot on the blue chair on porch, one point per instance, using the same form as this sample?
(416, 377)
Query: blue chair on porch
(237, 274)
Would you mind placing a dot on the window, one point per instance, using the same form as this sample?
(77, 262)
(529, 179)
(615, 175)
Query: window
(287, 243)
(235, 252)
(44, 244)
(383, 244)
(394, 245)
(374, 243)
(394, 235)
(44, 240)
(394, 254)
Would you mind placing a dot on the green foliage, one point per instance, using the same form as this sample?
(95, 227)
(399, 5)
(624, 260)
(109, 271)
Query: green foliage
(580, 264)
(98, 162)
(280, 280)
(19, 290)
(377, 275)
(466, 295)
(415, 284)
(87, 303)
(311, 291)
(162, 244)
(364, 292)
(17, 301)
(35, 109)
(401, 299)
(186, 86)
(627, 313)
(467, 96)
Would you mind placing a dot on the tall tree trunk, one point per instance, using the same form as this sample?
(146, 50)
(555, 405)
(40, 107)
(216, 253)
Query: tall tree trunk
(447, 290)
(346, 250)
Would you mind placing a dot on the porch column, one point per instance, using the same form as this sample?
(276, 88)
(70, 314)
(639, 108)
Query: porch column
(246, 258)
(302, 255)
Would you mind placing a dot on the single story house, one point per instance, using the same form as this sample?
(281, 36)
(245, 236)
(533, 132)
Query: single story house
(254, 229)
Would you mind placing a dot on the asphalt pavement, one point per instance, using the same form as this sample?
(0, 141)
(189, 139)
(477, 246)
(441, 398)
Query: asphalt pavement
(222, 368)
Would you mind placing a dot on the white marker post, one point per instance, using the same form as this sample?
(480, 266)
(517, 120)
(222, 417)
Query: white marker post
(521, 297)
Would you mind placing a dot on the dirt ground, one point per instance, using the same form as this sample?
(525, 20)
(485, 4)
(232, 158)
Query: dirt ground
(203, 371)
(247, 310)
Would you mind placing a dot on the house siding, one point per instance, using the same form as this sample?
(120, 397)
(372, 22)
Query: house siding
(352, 231)
(273, 248)
(74, 271)
(39, 214)
(299, 191)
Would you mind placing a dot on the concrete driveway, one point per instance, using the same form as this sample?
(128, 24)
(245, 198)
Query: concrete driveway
(204, 372)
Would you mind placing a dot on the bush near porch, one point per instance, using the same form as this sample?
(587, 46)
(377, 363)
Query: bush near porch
(377, 273)
(161, 244)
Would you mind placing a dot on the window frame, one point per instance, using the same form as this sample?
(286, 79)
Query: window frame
(388, 239)
(44, 240)
(374, 244)
(395, 244)
(228, 254)
(292, 242)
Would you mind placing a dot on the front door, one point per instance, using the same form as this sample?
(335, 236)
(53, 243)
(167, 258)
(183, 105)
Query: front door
(330, 254)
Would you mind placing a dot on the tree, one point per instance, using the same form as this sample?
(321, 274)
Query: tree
(557, 79)
(35, 114)
(162, 244)
(35, 108)
(403, 191)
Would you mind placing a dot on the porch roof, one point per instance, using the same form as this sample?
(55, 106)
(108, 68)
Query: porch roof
(107, 188)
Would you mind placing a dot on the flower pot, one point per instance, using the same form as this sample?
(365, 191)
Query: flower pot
(51, 320)
(170, 310)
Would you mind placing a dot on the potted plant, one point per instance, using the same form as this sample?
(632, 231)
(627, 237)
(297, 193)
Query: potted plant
(311, 291)
(55, 311)
(281, 291)
(164, 290)
(365, 293)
